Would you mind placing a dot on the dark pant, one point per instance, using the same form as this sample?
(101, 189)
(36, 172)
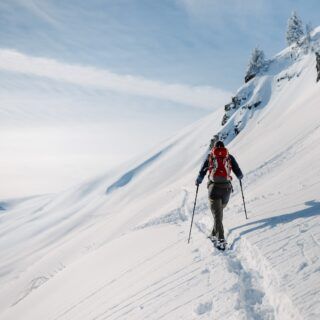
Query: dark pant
(218, 198)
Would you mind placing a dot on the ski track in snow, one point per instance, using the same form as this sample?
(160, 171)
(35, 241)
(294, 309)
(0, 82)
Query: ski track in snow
(250, 290)
(175, 216)
(246, 289)
(250, 287)
(112, 281)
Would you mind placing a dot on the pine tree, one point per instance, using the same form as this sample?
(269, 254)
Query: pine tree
(257, 63)
(294, 29)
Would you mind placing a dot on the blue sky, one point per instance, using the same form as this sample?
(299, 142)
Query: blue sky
(199, 42)
(103, 80)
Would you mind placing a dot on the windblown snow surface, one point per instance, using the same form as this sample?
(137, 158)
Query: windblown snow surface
(116, 246)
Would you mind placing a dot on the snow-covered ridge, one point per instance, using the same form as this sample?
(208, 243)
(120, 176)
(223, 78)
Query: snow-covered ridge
(256, 93)
(89, 253)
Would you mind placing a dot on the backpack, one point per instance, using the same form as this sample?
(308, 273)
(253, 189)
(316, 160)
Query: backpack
(219, 165)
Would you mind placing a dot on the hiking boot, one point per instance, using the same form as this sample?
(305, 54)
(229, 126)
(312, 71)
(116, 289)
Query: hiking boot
(221, 244)
(213, 239)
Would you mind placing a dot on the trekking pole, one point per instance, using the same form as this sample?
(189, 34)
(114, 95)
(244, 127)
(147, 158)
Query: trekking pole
(244, 204)
(194, 207)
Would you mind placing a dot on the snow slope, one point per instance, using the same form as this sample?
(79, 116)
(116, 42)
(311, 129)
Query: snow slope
(116, 246)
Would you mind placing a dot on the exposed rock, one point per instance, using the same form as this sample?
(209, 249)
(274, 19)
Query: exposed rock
(224, 136)
(227, 107)
(318, 65)
(288, 76)
(236, 100)
(224, 119)
(214, 140)
(248, 77)
(233, 105)
(254, 105)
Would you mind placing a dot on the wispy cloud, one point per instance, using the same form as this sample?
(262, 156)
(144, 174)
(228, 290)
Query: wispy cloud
(219, 14)
(206, 97)
(40, 9)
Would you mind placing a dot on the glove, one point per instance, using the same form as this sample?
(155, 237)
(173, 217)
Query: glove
(199, 180)
(240, 177)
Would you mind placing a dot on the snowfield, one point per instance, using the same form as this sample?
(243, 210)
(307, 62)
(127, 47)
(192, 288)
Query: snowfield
(116, 246)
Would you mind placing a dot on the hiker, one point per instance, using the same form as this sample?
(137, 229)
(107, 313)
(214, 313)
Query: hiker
(219, 163)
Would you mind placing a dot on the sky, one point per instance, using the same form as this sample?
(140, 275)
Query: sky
(86, 85)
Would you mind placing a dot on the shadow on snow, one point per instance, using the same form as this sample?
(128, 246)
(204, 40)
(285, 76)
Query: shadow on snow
(312, 210)
(128, 176)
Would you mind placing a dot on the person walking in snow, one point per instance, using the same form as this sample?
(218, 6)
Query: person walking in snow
(219, 164)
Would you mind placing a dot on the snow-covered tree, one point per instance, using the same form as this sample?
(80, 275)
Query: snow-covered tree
(294, 29)
(257, 63)
(307, 40)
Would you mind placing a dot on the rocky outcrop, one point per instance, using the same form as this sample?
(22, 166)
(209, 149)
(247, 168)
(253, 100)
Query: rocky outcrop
(251, 106)
(230, 108)
(214, 140)
(248, 77)
(318, 65)
(235, 127)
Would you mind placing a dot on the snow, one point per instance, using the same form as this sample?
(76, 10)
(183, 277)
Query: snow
(68, 133)
(116, 247)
